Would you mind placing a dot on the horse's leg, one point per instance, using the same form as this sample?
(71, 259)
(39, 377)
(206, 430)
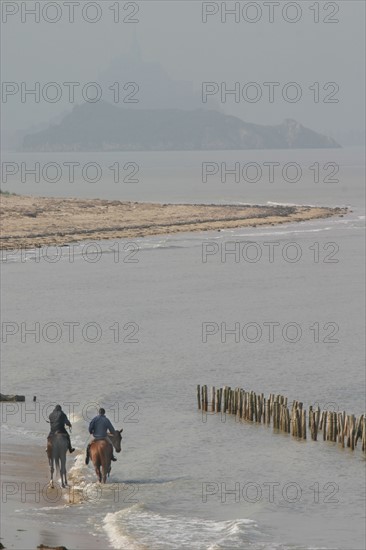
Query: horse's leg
(57, 467)
(104, 473)
(64, 465)
(102, 458)
(63, 471)
(52, 470)
(110, 460)
(106, 462)
(50, 460)
(97, 469)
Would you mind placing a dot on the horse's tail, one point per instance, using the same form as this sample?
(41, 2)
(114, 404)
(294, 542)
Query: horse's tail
(57, 463)
(57, 454)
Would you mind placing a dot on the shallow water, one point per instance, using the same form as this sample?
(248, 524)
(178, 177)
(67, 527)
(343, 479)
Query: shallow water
(184, 480)
(329, 177)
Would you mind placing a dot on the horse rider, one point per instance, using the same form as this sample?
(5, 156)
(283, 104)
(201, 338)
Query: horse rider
(98, 428)
(58, 421)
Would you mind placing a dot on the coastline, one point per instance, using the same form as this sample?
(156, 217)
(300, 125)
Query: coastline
(25, 472)
(32, 222)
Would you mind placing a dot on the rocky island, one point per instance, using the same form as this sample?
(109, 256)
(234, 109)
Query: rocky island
(105, 127)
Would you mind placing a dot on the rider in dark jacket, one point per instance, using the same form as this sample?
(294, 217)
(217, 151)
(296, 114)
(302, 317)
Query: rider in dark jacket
(99, 427)
(58, 420)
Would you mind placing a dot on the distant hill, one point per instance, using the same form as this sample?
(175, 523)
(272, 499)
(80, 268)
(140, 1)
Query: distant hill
(106, 127)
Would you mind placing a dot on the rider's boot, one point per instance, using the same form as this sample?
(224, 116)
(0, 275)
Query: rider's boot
(71, 449)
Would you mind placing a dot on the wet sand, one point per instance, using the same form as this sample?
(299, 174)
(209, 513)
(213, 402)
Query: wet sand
(24, 483)
(29, 222)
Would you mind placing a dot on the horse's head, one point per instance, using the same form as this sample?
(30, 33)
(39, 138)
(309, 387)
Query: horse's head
(116, 439)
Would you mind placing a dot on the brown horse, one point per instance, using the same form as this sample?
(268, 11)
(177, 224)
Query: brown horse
(101, 453)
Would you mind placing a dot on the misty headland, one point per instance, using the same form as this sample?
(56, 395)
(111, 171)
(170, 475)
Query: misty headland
(105, 127)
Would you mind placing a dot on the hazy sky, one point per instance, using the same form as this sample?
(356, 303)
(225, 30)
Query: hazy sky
(173, 34)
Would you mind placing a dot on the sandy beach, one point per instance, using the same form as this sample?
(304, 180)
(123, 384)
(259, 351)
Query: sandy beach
(28, 222)
(24, 482)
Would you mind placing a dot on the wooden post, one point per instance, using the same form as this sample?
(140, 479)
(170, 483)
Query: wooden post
(311, 422)
(275, 415)
(310, 418)
(298, 422)
(344, 428)
(284, 417)
(316, 417)
(335, 427)
(348, 431)
(241, 401)
(226, 391)
(303, 423)
(359, 429)
(262, 407)
(352, 432)
(250, 403)
(330, 426)
(269, 411)
(199, 397)
(321, 420)
(324, 425)
(339, 427)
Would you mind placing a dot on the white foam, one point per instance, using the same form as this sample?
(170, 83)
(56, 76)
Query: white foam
(139, 528)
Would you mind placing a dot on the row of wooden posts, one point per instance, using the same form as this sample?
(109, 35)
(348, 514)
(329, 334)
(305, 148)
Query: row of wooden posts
(339, 427)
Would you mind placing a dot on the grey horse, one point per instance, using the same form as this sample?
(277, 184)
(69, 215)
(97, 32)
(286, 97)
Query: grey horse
(56, 452)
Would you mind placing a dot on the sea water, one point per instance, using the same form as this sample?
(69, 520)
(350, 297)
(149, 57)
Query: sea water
(146, 332)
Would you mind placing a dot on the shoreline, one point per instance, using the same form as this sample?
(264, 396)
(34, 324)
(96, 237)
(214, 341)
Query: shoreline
(33, 222)
(25, 472)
